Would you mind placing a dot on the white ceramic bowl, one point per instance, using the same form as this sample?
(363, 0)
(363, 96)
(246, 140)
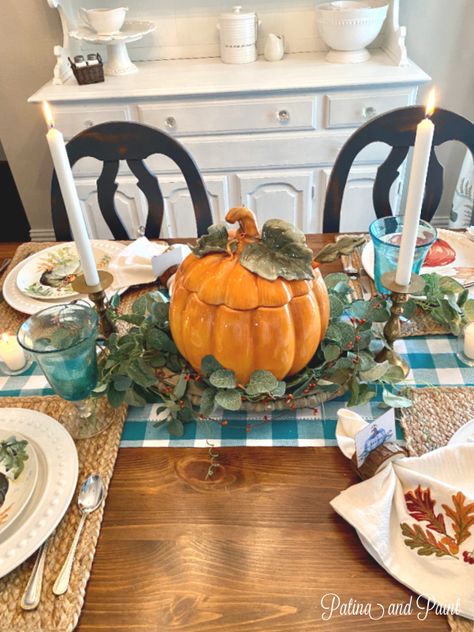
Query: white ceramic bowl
(347, 27)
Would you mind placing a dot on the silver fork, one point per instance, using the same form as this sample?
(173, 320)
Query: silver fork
(32, 595)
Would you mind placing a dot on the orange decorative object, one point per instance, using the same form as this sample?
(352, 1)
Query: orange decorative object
(247, 322)
(440, 254)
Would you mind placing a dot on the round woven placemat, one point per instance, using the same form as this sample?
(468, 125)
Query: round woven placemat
(435, 416)
(61, 614)
(430, 423)
(421, 324)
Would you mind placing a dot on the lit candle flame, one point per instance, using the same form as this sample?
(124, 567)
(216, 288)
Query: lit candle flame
(430, 104)
(48, 115)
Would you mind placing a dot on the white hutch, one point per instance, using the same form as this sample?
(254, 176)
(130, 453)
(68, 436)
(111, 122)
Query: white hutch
(262, 134)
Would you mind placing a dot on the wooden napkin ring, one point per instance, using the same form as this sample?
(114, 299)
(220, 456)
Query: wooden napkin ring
(377, 458)
(164, 278)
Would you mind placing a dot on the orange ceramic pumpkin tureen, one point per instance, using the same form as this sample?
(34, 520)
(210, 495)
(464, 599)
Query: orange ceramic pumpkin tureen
(252, 301)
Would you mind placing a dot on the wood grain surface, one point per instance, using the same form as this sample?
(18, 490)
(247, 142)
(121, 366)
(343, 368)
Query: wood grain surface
(255, 548)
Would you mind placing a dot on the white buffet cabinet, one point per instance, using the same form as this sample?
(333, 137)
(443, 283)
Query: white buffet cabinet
(263, 134)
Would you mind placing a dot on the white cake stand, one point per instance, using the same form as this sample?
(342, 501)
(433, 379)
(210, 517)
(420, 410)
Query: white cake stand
(118, 60)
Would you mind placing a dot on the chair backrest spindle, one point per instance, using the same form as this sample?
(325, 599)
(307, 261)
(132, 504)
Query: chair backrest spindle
(133, 143)
(398, 130)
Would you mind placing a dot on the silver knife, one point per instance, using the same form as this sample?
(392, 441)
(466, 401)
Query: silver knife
(4, 265)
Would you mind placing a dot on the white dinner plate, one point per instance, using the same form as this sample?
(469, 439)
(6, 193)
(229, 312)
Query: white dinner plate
(48, 274)
(28, 305)
(57, 478)
(461, 269)
(464, 434)
(16, 492)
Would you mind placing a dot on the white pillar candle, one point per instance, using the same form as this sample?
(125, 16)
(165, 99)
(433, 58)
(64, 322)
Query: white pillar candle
(469, 341)
(416, 190)
(11, 353)
(71, 200)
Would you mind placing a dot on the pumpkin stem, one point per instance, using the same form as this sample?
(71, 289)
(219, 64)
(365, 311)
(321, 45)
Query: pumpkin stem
(246, 219)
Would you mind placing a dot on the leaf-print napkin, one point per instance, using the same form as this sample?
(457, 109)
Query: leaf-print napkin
(416, 518)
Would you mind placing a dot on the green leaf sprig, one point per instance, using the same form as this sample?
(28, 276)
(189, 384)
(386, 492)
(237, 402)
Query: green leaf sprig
(13, 455)
(446, 300)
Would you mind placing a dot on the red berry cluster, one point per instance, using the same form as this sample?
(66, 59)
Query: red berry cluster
(358, 321)
(468, 557)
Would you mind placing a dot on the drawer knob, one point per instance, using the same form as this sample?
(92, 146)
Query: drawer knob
(369, 112)
(88, 123)
(141, 231)
(170, 122)
(283, 116)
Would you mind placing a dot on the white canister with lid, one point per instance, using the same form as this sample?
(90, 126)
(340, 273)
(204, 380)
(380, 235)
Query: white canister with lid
(238, 36)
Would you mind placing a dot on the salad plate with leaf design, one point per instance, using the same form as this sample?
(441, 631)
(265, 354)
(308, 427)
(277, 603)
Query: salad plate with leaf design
(18, 475)
(28, 304)
(48, 275)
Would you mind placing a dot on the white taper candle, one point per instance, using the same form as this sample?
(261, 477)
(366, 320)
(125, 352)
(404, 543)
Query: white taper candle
(71, 200)
(416, 190)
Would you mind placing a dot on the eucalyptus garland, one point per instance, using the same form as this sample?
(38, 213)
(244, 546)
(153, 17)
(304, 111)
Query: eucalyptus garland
(143, 364)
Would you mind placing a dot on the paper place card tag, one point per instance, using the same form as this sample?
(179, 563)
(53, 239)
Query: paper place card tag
(377, 432)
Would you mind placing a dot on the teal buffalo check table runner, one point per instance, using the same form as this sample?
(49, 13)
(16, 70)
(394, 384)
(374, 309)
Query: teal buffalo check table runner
(432, 359)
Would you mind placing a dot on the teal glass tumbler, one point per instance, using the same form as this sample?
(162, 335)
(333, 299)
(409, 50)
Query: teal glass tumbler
(386, 235)
(62, 339)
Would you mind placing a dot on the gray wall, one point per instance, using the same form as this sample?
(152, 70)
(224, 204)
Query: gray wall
(28, 31)
(439, 40)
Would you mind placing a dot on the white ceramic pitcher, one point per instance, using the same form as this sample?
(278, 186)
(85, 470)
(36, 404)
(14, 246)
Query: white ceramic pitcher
(274, 47)
(104, 21)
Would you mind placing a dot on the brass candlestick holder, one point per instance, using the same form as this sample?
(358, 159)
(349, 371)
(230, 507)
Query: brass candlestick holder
(392, 329)
(97, 295)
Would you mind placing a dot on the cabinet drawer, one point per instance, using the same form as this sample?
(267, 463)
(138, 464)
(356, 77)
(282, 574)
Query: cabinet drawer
(262, 151)
(72, 120)
(231, 116)
(351, 109)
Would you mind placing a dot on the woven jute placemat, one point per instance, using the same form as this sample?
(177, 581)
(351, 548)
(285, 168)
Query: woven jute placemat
(430, 423)
(61, 614)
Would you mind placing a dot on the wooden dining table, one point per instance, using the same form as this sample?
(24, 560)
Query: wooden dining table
(256, 547)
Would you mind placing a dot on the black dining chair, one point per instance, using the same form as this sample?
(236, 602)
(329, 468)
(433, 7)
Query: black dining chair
(396, 129)
(112, 142)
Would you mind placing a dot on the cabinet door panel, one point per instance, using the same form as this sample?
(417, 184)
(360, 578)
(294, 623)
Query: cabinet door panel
(129, 201)
(283, 195)
(132, 206)
(357, 211)
(179, 218)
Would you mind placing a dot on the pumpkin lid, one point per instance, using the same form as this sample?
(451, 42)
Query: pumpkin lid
(220, 279)
(245, 270)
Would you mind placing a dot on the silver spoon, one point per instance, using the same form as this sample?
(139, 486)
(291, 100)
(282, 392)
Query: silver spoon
(90, 498)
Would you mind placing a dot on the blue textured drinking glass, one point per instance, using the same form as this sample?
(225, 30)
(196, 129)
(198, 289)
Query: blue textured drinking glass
(62, 339)
(386, 234)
